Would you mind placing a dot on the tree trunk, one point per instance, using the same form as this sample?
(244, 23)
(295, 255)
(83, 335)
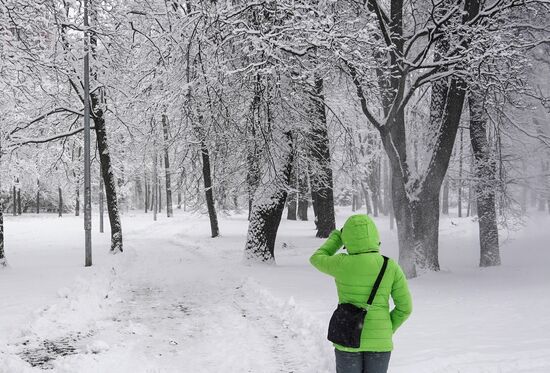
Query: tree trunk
(146, 187)
(382, 191)
(367, 199)
(541, 195)
(107, 173)
(267, 210)
(152, 194)
(485, 172)
(138, 194)
(14, 201)
(313, 196)
(387, 189)
(445, 198)
(321, 181)
(180, 186)
(252, 147)
(390, 202)
(38, 198)
(417, 209)
(547, 183)
(60, 201)
(19, 211)
(159, 181)
(416, 200)
(417, 228)
(101, 204)
(291, 201)
(77, 199)
(374, 183)
(303, 201)
(155, 187)
(3, 262)
(292, 206)
(207, 176)
(97, 103)
(460, 167)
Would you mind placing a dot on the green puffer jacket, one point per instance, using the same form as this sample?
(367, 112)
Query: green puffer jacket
(355, 274)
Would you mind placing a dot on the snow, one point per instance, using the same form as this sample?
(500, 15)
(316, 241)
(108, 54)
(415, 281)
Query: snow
(179, 301)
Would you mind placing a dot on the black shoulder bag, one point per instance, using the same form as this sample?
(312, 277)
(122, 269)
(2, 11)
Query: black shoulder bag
(346, 323)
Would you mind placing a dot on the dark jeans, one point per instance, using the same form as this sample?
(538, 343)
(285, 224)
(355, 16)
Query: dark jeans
(362, 362)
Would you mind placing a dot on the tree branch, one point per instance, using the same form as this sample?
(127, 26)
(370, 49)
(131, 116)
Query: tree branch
(48, 139)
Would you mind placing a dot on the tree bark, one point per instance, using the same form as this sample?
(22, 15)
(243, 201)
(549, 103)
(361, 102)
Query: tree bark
(390, 201)
(146, 194)
(60, 201)
(3, 262)
(138, 193)
(253, 149)
(445, 198)
(387, 188)
(14, 201)
(367, 197)
(77, 199)
(207, 176)
(155, 187)
(180, 186)
(303, 191)
(267, 210)
(38, 197)
(19, 210)
(101, 204)
(107, 173)
(207, 179)
(543, 187)
(159, 187)
(373, 181)
(547, 183)
(165, 130)
(314, 198)
(417, 212)
(321, 181)
(292, 203)
(485, 172)
(375, 195)
(292, 206)
(460, 166)
(98, 116)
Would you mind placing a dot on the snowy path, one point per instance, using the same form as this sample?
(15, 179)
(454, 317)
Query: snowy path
(166, 307)
(179, 301)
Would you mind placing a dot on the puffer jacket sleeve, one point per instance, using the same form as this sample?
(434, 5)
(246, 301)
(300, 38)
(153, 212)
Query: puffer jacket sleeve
(324, 259)
(401, 298)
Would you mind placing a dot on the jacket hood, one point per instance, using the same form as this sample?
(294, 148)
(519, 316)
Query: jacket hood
(360, 235)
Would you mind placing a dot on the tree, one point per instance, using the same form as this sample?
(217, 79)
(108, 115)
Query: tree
(404, 71)
(485, 173)
(267, 208)
(321, 175)
(3, 261)
(165, 130)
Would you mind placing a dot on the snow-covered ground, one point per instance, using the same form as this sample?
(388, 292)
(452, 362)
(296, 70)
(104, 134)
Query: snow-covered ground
(179, 301)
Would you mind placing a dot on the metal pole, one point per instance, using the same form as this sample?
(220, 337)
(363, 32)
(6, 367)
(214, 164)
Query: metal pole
(87, 168)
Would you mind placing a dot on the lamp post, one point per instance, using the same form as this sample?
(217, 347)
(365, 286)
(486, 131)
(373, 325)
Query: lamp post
(87, 168)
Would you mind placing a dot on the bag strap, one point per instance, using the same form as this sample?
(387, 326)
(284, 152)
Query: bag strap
(378, 281)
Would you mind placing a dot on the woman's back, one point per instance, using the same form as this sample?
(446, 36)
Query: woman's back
(355, 274)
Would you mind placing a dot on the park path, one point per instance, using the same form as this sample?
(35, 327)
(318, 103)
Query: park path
(167, 306)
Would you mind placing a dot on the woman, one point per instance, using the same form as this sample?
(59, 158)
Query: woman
(355, 274)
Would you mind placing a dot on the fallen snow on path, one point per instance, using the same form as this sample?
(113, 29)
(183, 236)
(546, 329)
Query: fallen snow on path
(178, 301)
